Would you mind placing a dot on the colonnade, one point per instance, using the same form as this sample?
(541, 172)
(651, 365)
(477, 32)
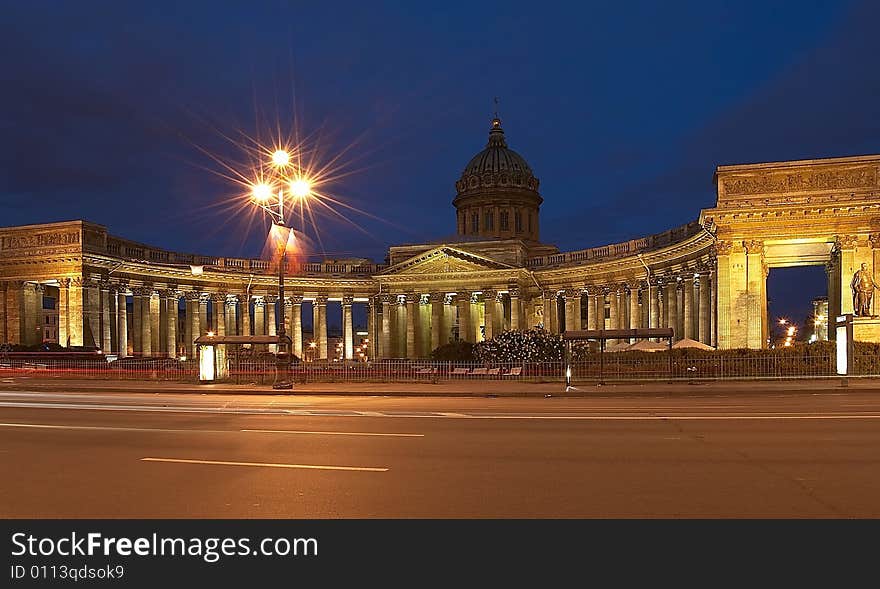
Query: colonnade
(411, 325)
(163, 322)
(683, 301)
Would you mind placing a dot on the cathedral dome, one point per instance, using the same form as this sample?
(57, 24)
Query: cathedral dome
(497, 157)
(497, 193)
(496, 166)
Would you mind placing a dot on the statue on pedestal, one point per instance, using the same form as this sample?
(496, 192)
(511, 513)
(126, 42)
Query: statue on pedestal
(863, 286)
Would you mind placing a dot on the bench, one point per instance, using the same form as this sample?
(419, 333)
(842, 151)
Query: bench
(460, 371)
(516, 371)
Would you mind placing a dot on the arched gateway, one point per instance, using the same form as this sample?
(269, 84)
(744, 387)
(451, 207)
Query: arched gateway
(705, 279)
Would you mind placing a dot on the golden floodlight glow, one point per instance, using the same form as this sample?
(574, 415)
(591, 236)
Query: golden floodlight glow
(280, 158)
(261, 192)
(300, 187)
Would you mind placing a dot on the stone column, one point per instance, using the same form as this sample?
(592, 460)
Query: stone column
(635, 316)
(371, 329)
(489, 312)
(448, 318)
(271, 327)
(63, 311)
(688, 291)
(296, 332)
(614, 308)
(412, 325)
(155, 342)
(654, 293)
(347, 327)
(232, 315)
(260, 319)
(593, 308)
(756, 281)
(122, 321)
(143, 321)
(106, 342)
(671, 306)
(389, 305)
(204, 326)
(704, 326)
(723, 251)
(162, 331)
(465, 327)
(137, 317)
(244, 301)
(321, 329)
(516, 310)
(572, 309)
(172, 307)
(436, 300)
(193, 327)
(218, 302)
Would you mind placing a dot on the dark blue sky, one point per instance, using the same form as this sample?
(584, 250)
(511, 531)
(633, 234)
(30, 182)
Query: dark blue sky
(622, 109)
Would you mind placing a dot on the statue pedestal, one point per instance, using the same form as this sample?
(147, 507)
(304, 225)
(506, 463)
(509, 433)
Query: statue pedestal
(866, 329)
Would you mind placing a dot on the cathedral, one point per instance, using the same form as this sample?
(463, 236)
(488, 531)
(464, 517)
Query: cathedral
(705, 279)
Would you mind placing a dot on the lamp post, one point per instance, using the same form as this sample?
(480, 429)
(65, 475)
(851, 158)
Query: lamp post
(272, 203)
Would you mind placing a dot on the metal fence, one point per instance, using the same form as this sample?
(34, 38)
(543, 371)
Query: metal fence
(610, 367)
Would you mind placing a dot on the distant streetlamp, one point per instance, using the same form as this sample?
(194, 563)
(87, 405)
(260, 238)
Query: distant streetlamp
(269, 196)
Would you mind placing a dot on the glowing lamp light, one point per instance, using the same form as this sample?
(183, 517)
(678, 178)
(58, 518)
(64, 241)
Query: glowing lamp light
(261, 192)
(210, 334)
(300, 188)
(280, 158)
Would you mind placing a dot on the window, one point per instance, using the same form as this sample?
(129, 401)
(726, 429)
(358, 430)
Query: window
(488, 221)
(530, 221)
(504, 220)
(517, 221)
(475, 222)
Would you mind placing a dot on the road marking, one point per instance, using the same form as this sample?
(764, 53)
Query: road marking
(104, 428)
(266, 464)
(327, 433)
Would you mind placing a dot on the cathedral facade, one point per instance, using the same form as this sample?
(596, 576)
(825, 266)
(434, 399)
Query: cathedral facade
(706, 279)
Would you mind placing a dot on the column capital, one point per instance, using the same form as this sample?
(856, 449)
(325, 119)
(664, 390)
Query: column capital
(462, 295)
(347, 300)
(413, 298)
(320, 300)
(388, 299)
(218, 297)
(722, 248)
(634, 285)
(845, 242)
(64, 283)
(169, 293)
(572, 293)
(296, 299)
(270, 299)
(754, 246)
(874, 238)
(142, 291)
(437, 297)
(259, 302)
(513, 291)
(191, 295)
(489, 294)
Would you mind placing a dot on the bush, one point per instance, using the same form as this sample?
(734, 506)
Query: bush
(459, 351)
(533, 345)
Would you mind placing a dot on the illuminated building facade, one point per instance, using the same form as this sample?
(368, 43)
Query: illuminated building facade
(705, 279)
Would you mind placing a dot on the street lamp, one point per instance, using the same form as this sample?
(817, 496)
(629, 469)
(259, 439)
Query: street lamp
(272, 203)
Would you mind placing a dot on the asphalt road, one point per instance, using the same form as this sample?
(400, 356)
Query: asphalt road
(732, 455)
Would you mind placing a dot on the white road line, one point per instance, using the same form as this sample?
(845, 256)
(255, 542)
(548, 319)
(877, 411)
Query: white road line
(108, 428)
(329, 433)
(266, 464)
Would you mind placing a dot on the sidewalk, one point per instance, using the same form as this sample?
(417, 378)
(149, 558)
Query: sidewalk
(455, 388)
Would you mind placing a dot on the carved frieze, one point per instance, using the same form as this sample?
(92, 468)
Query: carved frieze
(782, 182)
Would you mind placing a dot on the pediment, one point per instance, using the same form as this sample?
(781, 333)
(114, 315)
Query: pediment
(444, 260)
